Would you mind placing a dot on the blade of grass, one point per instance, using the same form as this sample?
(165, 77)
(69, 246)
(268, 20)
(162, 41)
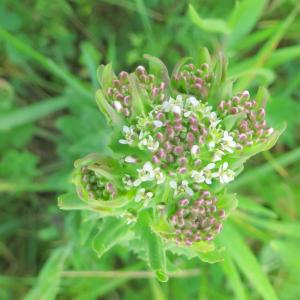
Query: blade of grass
(44, 61)
(254, 174)
(47, 285)
(246, 261)
(234, 278)
(282, 56)
(209, 25)
(243, 19)
(31, 113)
(267, 50)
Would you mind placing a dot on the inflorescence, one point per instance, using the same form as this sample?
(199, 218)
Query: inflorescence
(178, 143)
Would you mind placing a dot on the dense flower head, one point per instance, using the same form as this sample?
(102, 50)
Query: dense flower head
(174, 148)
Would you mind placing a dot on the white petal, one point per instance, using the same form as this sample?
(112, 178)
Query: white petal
(123, 142)
(158, 123)
(210, 166)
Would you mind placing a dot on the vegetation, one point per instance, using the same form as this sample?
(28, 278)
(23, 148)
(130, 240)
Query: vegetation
(50, 53)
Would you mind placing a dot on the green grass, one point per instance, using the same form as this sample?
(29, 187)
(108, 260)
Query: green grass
(49, 54)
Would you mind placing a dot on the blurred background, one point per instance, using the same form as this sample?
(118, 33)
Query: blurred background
(49, 54)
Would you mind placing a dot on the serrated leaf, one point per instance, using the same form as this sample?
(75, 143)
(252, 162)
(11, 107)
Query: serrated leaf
(153, 244)
(111, 232)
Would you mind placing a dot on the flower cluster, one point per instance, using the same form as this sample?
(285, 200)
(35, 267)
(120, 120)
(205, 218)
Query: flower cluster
(95, 185)
(197, 221)
(252, 128)
(175, 145)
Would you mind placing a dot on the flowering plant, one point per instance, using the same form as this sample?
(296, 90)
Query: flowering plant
(176, 142)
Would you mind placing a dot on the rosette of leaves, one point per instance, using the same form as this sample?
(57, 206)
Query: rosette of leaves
(176, 142)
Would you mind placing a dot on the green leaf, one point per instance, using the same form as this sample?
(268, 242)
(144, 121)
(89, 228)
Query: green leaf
(159, 68)
(106, 76)
(70, 201)
(234, 278)
(31, 113)
(230, 120)
(46, 62)
(112, 231)
(111, 115)
(243, 18)
(153, 244)
(283, 56)
(209, 25)
(48, 282)
(246, 261)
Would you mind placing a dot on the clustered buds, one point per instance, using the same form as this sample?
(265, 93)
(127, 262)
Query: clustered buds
(95, 185)
(197, 221)
(252, 128)
(194, 80)
(173, 148)
(120, 93)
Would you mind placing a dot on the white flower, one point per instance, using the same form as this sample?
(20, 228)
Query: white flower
(198, 176)
(117, 105)
(224, 174)
(127, 181)
(218, 154)
(158, 123)
(130, 159)
(208, 174)
(159, 176)
(227, 142)
(149, 143)
(173, 184)
(192, 101)
(214, 121)
(211, 145)
(143, 195)
(128, 134)
(145, 174)
(173, 105)
(195, 150)
(181, 188)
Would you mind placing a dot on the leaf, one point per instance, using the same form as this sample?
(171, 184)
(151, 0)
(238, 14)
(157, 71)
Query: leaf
(111, 232)
(111, 115)
(234, 278)
(48, 282)
(70, 201)
(230, 120)
(139, 101)
(210, 25)
(159, 68)
(153, 244)
(246, 261)
(228, 202)
(283, 56)
(46, 62)
(31, 113)
(105, 76)
(243, 18)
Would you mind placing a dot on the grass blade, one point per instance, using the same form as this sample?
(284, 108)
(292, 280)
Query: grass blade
(246, 261)
(31, 113)
(46, 62)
